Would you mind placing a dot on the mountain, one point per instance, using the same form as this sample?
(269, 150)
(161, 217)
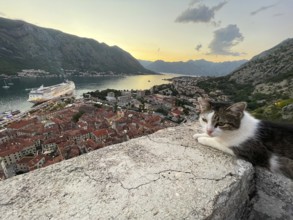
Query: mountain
(269, 66)
(193, 67)
(265, 83)
(26, 46)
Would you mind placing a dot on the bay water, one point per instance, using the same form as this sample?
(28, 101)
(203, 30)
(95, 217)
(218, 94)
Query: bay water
(16, 96)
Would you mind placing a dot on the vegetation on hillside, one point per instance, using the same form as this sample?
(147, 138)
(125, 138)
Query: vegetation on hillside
(103, 94)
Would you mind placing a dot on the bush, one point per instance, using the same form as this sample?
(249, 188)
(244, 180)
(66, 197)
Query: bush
(76, 117)
(162, 111)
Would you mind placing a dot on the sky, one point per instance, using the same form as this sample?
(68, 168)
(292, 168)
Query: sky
(169, 30)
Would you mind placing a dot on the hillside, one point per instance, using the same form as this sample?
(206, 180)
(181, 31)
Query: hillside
(26, 46)
(265, 83)
(269, 66)
(270, 72)
(193, 67)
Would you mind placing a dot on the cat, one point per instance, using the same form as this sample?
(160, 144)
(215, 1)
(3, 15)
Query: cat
(231, 129)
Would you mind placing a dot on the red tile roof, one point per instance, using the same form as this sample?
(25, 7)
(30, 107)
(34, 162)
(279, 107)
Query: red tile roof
(101, 132)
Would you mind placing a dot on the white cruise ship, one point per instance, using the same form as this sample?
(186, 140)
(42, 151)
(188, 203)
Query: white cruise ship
(44, 94)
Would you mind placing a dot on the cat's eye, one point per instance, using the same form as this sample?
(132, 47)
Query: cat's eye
(204, 120)
(220, 124)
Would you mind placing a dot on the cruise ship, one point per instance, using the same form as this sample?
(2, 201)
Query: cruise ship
(44, 94)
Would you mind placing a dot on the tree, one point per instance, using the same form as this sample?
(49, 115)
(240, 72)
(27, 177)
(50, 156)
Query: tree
(76, 117)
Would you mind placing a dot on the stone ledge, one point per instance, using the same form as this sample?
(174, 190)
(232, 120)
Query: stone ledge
(166, 175)
(274, 199)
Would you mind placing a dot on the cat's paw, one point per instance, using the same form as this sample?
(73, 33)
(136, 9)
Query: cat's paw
(204, 140)
(197, 136)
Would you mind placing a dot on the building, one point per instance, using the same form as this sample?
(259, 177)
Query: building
(99, 135)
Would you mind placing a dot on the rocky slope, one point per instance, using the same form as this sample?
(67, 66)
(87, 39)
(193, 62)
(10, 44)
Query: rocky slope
(265, 83)
(272, 65)
(26, 46)
(270, 73)
(193, 67)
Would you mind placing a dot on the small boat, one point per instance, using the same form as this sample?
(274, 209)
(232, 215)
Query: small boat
(5, 85)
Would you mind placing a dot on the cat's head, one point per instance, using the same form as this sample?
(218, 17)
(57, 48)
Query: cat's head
(219, 118)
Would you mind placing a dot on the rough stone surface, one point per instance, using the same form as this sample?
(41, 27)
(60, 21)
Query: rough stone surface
(274, 197)
(166, 175)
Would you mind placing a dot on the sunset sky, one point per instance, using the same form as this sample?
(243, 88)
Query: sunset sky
(170, 30)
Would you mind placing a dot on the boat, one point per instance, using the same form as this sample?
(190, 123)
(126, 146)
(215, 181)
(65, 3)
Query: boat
(44, 94)
(8, 115)
(5, 85)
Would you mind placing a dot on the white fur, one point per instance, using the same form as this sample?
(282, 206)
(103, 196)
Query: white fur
(223, 140)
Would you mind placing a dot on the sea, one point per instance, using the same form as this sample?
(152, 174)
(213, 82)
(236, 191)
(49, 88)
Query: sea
(15, 97)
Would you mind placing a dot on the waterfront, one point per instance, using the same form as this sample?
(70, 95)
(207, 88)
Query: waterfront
(16, 96)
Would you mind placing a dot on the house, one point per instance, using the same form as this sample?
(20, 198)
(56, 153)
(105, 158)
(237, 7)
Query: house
(37, 162)
(90, 145)
(77, 135)
(22, 165)
(14, 151)
(11, 154)
(68, 149)
(22, 124)
(29, 163)
(111, 97)
(140, 93)
(49, 146)
(99, 135)
(28, 147)
(124, 100)
(6, 136)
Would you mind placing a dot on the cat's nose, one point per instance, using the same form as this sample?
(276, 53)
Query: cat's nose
(210, 131)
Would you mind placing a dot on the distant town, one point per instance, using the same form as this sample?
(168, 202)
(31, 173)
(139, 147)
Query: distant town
(68, 127)
(36, 73)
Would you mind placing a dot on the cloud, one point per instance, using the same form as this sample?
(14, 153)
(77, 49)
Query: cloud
(2, 14)
(193, 2)
(201, 13)
(263, 8)
(198, 47)
(226, 38)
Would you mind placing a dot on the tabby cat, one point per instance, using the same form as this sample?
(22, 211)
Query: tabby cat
(229, 128)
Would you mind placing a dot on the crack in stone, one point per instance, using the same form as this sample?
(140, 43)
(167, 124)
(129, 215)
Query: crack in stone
(7, 203)
(75, 169)
(138, 186)
(196, 177)
(169, 171)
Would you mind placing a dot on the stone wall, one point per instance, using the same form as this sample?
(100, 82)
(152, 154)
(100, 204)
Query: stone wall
(274, 198)
(166, 175)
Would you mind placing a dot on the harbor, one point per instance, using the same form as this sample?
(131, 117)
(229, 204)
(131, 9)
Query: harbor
(17, 95)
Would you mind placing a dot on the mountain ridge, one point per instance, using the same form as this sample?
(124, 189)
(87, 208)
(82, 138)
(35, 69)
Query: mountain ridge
(193, 67)
(27, 46)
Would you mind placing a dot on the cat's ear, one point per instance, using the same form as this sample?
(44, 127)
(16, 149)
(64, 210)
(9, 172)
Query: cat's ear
(238, 107)
(203, 104)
